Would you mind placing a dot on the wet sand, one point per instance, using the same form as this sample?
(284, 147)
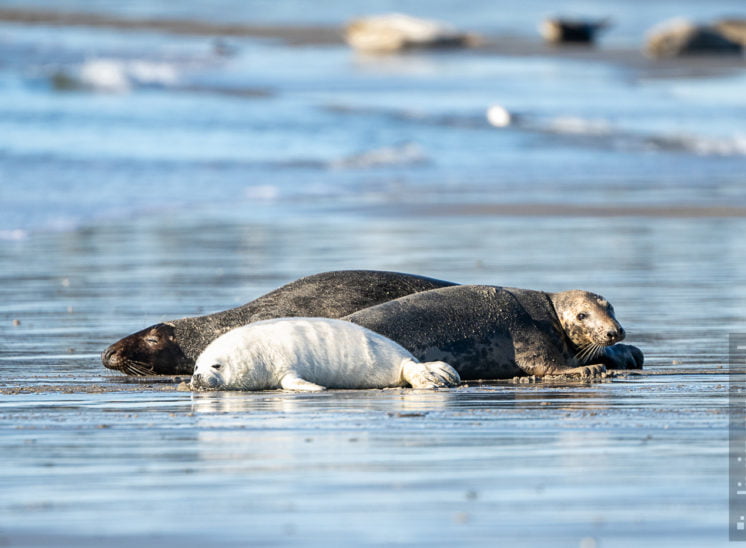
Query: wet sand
(42, 384)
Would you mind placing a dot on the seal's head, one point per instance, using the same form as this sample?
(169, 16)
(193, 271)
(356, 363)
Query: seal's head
(152, 351)
(219, 366)
(208, 377)
(588, 321)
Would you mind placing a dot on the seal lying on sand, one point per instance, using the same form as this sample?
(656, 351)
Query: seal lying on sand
(561, 30)
(489, 332)
(312, 354)
(171, 348)
(679, 37)
(398, 32)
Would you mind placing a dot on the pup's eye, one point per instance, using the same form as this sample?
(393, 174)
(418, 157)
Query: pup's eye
(215, 366)
(151, 340)
(582, 316)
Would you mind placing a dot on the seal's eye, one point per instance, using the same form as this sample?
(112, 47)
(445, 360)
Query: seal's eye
(215, 366)
(582, 316)
(151, 340)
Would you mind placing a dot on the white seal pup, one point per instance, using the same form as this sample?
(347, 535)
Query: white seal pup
(311, 354)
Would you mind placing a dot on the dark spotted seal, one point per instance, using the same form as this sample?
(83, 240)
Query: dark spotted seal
(489, 332)
(171, 348)
(560, 30)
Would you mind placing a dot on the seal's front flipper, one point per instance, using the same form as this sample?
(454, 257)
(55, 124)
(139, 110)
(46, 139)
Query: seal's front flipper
(595, 370)
(291, 381)
(622, 356)
(429, 374)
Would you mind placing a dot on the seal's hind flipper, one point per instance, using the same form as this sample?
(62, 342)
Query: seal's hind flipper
(429, 374)
(291, 381)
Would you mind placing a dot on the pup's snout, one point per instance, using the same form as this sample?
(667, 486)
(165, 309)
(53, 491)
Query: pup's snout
(202, 381)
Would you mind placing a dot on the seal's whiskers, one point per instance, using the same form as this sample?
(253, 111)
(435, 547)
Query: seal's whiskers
(137, 369)
(580, 353)
(588, 352)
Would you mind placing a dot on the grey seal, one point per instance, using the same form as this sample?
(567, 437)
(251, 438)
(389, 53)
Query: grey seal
(680, 37)
(171, 348)
(491, 332)
(395, 32)
(561, 30)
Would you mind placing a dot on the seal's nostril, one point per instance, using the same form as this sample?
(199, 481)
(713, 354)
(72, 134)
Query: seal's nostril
(611, 335)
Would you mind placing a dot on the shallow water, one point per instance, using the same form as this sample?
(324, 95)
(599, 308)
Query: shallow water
(618, 462)
(173, 181)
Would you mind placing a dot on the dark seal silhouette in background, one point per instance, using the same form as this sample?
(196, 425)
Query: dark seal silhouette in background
(171, 348)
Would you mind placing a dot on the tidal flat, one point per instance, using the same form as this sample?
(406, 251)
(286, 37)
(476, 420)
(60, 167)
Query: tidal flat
(148, 175)
(94, 457)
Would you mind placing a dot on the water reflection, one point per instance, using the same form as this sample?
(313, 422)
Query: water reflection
(347, 401)
(340, 406)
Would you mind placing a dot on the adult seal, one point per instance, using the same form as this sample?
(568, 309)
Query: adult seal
(490, 332)
(171, 348)
(311, 354)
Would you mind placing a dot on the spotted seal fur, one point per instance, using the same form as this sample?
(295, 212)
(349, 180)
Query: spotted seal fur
(171, 348)
(491, 332)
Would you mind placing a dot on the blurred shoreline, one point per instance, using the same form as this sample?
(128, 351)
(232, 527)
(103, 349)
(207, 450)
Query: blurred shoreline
(516, 45)
(549, 210)
(294, 35)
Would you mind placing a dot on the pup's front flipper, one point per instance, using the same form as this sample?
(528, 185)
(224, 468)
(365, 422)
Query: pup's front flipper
(291, 381)
(429, 374)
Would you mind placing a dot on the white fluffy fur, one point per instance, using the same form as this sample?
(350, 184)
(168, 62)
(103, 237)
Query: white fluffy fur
(312, 354)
